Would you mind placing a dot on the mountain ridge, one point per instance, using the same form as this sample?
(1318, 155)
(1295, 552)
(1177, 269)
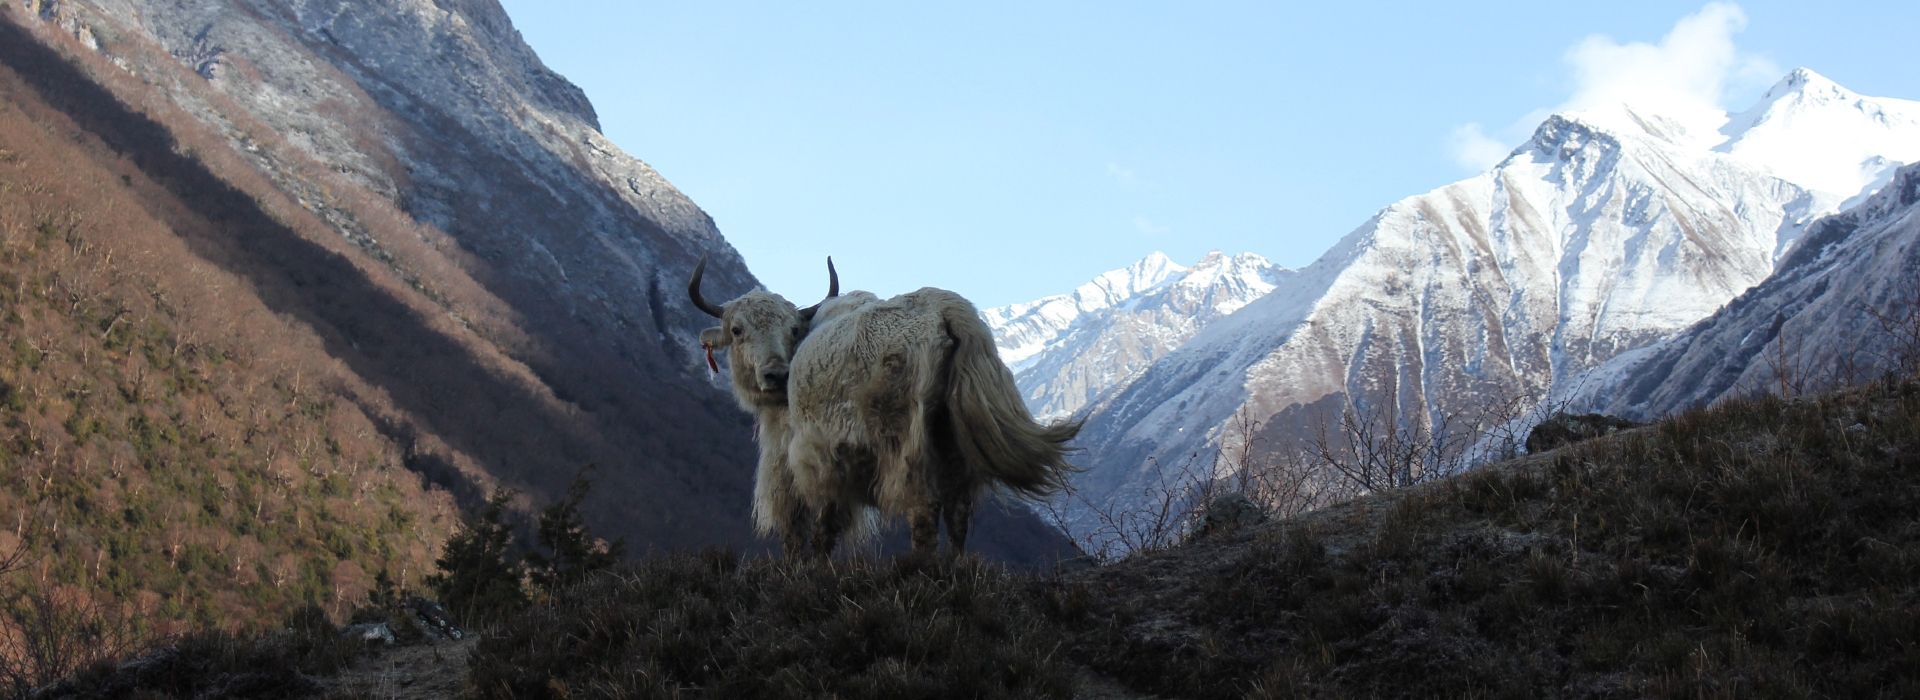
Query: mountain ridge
(1068, 350)
(1856, 276)
(1606, 232)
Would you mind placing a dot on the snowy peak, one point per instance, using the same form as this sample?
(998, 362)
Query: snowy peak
(1024, 330)
(1690, 130)
(1814, 133)
(1067, 349)
(1219, 285)
(1119, 285)
(1806, 129)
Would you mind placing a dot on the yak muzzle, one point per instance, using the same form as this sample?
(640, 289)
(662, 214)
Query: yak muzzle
(773, 380)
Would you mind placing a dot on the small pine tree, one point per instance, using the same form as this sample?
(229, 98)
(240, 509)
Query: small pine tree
(575, 551)
(479, 573)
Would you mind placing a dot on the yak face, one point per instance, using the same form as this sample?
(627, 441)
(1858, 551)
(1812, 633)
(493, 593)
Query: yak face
(759, 331)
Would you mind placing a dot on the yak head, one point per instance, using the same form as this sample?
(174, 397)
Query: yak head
(759, 331)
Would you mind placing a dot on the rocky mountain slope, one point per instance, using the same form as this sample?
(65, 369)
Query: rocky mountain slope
(175, 452)
(1609, 230)
(1067, 349)
(410, 185)
(1843, 308)
(498, 269)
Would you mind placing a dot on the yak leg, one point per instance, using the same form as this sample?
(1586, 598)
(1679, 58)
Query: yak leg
(833, 521)
(924, 521)
(793, 534)
(957, 513)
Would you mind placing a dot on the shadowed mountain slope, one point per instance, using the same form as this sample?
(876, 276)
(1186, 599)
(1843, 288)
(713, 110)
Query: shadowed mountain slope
(408, 184)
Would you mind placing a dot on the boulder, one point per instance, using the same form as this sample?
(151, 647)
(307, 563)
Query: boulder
(433, 619)
(1230, 511)
(1563, 429)
(370, 632)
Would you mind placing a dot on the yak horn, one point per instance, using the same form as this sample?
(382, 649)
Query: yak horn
(693, 290)
(833, 290)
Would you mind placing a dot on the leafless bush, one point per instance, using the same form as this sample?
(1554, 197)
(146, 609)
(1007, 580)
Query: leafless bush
(1901, 323)
(1793, 370)
(1286, 481)
(1793, 373)
(1374, 451)
(50, 632)
(1166, 512)
(1503, 423)
(1359, 452)
(53, 632)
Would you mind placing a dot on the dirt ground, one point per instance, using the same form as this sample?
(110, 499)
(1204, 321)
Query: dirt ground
(415, 672)
(439, 670)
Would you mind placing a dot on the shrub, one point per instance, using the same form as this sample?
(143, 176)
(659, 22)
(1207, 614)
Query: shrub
(480, 575)
(574, 551)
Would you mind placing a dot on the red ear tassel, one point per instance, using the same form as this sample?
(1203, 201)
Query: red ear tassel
(712, 366)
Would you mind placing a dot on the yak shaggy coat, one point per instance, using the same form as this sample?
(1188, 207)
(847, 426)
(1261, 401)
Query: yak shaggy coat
(903, 405)
(759, 331)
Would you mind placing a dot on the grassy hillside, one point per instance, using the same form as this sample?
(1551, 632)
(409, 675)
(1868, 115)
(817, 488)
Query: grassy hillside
(1763, 548)
(169, 445)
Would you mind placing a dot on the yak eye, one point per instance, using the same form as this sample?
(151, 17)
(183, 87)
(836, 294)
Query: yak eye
(736, 331)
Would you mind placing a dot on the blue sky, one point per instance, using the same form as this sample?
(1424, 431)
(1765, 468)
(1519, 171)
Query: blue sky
(1009, 151)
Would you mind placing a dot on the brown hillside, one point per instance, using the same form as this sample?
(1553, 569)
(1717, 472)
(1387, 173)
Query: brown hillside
(167, 439)
(429, 344)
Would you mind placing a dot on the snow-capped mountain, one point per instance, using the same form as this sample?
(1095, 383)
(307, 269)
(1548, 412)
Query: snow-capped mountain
(1810, 326)
(1067, 349)
(1607, 231)
(1812, 132)
(1023, 331)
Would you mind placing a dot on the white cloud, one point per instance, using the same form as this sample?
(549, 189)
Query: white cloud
(1474, 150)
(1687, 76)
(1688, 73)
(1122, 175)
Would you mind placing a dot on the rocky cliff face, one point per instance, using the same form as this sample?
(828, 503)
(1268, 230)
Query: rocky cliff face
(520, 271)
(512, 280)
(1608, 231)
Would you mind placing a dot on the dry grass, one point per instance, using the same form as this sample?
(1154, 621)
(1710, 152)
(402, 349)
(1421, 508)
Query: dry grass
(1762, 548)
(282, 663)
(708, 625)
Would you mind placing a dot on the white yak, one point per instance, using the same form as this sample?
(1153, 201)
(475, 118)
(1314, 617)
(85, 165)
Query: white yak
(900, 405)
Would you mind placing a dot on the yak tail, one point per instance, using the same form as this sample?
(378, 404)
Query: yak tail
(999, 439)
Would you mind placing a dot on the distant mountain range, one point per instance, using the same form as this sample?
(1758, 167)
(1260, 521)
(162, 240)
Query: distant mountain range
(1067, 350)
(1608, 231)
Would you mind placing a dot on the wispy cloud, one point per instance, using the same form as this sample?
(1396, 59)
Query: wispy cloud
(1688, 75)
(1691, 69)
(1124, 176)
(1474, 150)
(1148, 228)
